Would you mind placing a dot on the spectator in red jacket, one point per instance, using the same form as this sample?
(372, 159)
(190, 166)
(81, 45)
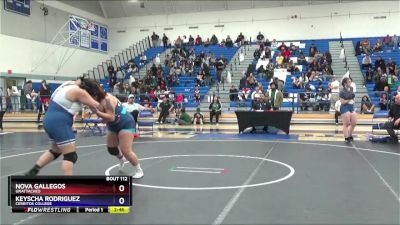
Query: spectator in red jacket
(198, 40)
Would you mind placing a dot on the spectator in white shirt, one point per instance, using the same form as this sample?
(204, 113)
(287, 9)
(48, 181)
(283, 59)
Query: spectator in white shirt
(132, 107)
(334, 87)
(366, 62)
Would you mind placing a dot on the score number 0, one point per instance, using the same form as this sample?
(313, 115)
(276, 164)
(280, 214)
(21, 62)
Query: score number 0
(121, 200)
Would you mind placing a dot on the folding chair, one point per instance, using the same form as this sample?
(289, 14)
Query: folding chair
(145, 114)
(92, 125)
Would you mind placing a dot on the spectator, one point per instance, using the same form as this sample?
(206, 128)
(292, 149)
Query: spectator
(143, 59)
(28, 93)
(207, 42)
(391, 67)
(260, 38)
(133, 108)
(366, 105)
(378, 46)
(198, 40)
(228, 42)
(220, 65)
(44, 94)
(214, 39)
(240, 39)
(369, 76)
(275, 96)
(312, 50)
(9, 106)
(296, 83)
(198, 118)
(191, 40)
(388, 41)
(120, 75)
(215, 109)
(279, 59)
(380, 63)
(384, 101)
(365, 46)
(379, 86)
(233, 93)
(197, 95)
(110, 69)
(395, 41)
(394, 119)
(337, 111)
(366, 62)
(165, 108)
(306, 99)
(165, 41)
(184, 118)
(179, 101)
(301, 59)
(178, 42)
(154, 39)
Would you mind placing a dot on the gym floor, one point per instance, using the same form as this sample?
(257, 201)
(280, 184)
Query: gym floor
(228, 179)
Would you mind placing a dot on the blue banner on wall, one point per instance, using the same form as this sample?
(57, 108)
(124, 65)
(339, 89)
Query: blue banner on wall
(81, 35)
(18, 6)
(94, 38)
(103, 39)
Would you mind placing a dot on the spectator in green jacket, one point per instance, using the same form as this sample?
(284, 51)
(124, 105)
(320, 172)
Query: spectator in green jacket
(184, 118)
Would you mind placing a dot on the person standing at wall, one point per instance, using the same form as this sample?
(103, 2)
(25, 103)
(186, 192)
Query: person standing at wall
(28, 94)
(165, 41)
(154, 39)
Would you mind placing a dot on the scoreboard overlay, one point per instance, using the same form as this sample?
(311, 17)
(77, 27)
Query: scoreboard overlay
(70, 194)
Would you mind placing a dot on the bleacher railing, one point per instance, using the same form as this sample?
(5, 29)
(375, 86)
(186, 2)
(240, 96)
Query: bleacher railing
(101, 71)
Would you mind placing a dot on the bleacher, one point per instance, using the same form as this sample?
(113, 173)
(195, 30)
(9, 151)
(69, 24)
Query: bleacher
(150, 53)
(291, 96)
(386, 53)
(188, 83)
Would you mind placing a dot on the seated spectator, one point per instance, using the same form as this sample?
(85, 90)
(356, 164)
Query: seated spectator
(380, 63)
(296, 83)
(365, 46)
(378, 46)
(233, 93)
(391, 67)
(200, 78)
(147, 104)
(255, 92)
(366, 105)
(133, 108)
(198, 118)
(279, 59)
(291, 68)
(143, 59)
(369, 76)
(184, 118)
(312, 50)
(384, 101)
(215, 109)
(251, 81)
(306, 99)
(293, 49)
(301, 59)
(379, 86)
(256, 54)
(366, 62)
(394, 119)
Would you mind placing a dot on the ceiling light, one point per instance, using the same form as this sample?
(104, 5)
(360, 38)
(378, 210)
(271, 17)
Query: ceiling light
(134, 1)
